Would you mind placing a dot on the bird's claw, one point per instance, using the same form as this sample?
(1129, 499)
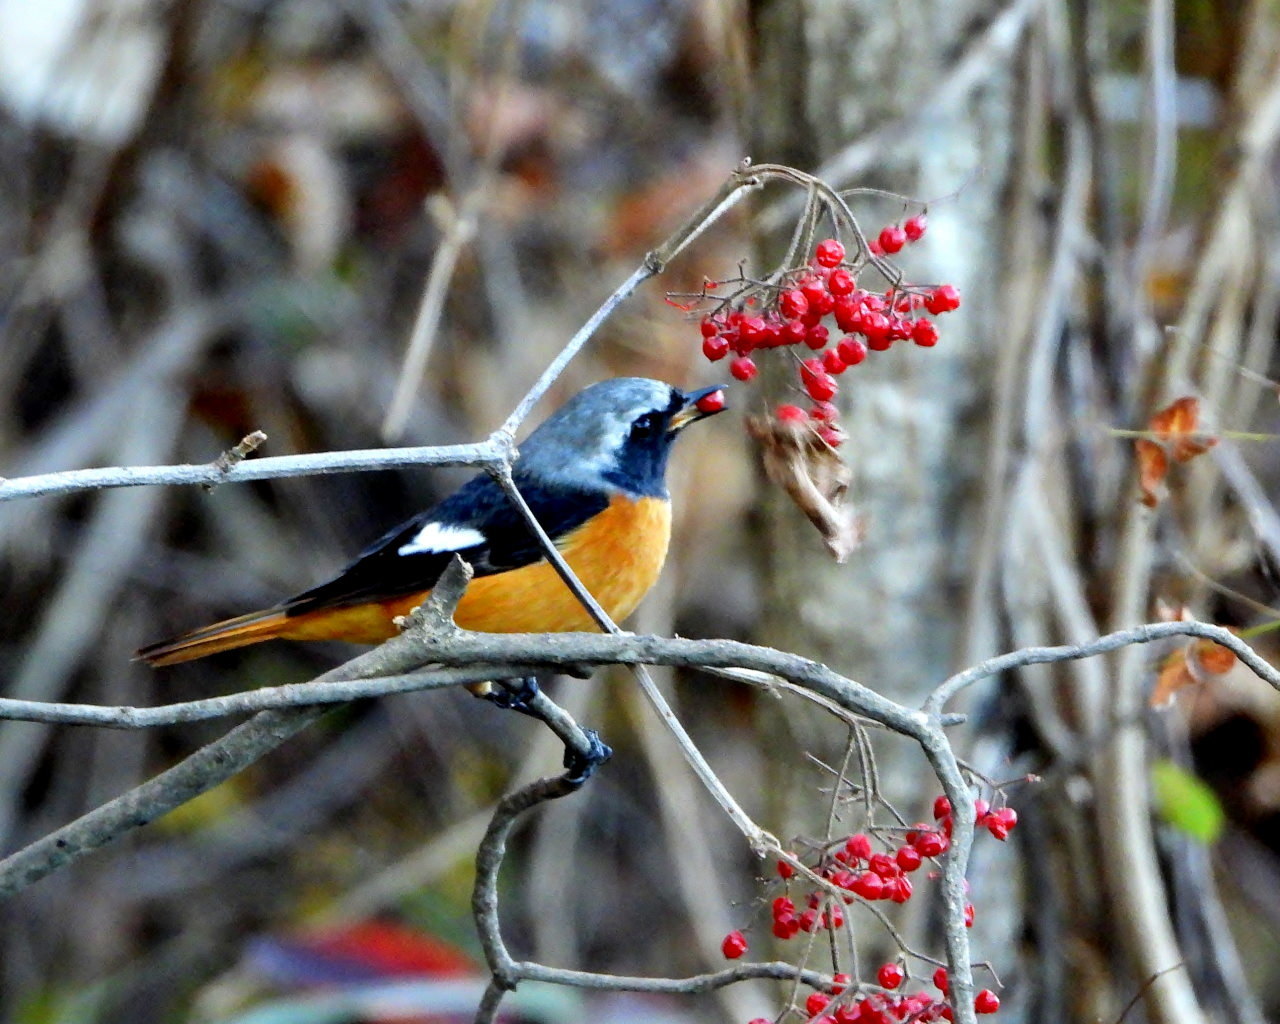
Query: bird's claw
(580, 765)
(514, 695)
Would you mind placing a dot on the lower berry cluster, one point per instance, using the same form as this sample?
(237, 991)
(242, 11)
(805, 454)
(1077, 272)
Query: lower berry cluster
(855, 867)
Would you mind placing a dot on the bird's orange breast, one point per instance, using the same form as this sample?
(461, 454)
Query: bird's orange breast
(617, 555)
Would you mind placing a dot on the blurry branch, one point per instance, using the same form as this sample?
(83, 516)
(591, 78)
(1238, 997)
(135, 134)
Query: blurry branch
(459, 230)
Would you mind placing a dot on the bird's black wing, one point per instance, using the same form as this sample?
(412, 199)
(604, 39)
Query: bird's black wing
(392, 567)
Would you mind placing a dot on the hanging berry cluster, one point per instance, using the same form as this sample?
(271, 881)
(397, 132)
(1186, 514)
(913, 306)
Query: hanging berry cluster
(794, 307)
(874, 867)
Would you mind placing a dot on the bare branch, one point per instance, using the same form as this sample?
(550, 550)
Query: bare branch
(491, 452)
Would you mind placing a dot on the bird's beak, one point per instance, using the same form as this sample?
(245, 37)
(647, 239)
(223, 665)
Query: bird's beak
(698, 405)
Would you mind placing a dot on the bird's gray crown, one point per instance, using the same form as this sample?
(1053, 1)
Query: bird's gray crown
(583, 440)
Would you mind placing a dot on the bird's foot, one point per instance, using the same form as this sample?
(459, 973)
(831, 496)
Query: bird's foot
(514, 694)
(580, 765)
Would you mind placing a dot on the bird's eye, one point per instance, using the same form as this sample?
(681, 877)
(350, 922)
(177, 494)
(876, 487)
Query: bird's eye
(647, 425)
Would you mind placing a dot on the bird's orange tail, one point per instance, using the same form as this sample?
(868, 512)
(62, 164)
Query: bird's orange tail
(221, 636)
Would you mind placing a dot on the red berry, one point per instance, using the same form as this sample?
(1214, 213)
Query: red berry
(968, 915)
(890, 975)
(832, 363)
(875, 248)
(825, 412)
(786, 926)
(908, 858)
(876, 327)
(986, 1001)
(931, 844)
(839, 982)
(790, 414)
(715, 347)
(785, 870)
(924, 333)
(816, 337)
(892, 238)
(859, 845)
(816, 1003)
(869, 886)
(743, 368)
(942, 299)
(941, 807)
(832, 436)
(913, 227)
(980, 810)
(793, 303)
(751, 331)
(840, 283)
(783, 905)
(813, 289)
(901, 889)
(829, 253)
(940, 980)
(825, 303)
(809, 920)
(709, 327)
(817, 382)
(714, 402)
(852, 350)
(734, 945)
(849, 1014)
(882, 864)
(848, 314)
(794, 331)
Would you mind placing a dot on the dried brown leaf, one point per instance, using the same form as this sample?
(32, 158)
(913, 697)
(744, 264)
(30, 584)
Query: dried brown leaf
(1178, 425)
(815, 478)
(1195, 663)
(1174, 676)
(1153, 465)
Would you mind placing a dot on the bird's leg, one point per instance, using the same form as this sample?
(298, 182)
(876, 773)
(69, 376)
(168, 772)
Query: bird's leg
(524, 695)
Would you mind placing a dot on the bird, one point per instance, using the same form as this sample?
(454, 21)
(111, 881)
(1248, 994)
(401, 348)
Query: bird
(594, 476)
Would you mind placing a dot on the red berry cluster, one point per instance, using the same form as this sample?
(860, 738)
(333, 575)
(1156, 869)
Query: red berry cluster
(856, 866)
(886, 1007)
(790, 310)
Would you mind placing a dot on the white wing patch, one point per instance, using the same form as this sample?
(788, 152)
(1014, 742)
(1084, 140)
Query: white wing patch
(435, 538)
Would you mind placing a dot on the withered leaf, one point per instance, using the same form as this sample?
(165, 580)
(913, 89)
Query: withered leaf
(1153, 465)
(815, 478)
(1176, 430)
(1192, 664)
(1177, 425)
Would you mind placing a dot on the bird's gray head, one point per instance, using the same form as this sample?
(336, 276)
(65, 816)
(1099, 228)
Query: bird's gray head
(616, 434)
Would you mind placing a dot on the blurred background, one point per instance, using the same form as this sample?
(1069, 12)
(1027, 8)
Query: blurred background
(218, 216)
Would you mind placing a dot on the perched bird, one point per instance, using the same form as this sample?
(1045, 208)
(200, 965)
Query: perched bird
(594, 475)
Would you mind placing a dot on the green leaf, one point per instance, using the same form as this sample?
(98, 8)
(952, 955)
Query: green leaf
(1186, 802)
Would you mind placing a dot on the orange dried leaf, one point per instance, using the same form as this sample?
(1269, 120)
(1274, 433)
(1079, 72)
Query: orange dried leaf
(814, 477)
(1182, 416)
(1174, 676)
(1187, 448)
(1212, 658)
(1153, 465)
(1178, 425)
